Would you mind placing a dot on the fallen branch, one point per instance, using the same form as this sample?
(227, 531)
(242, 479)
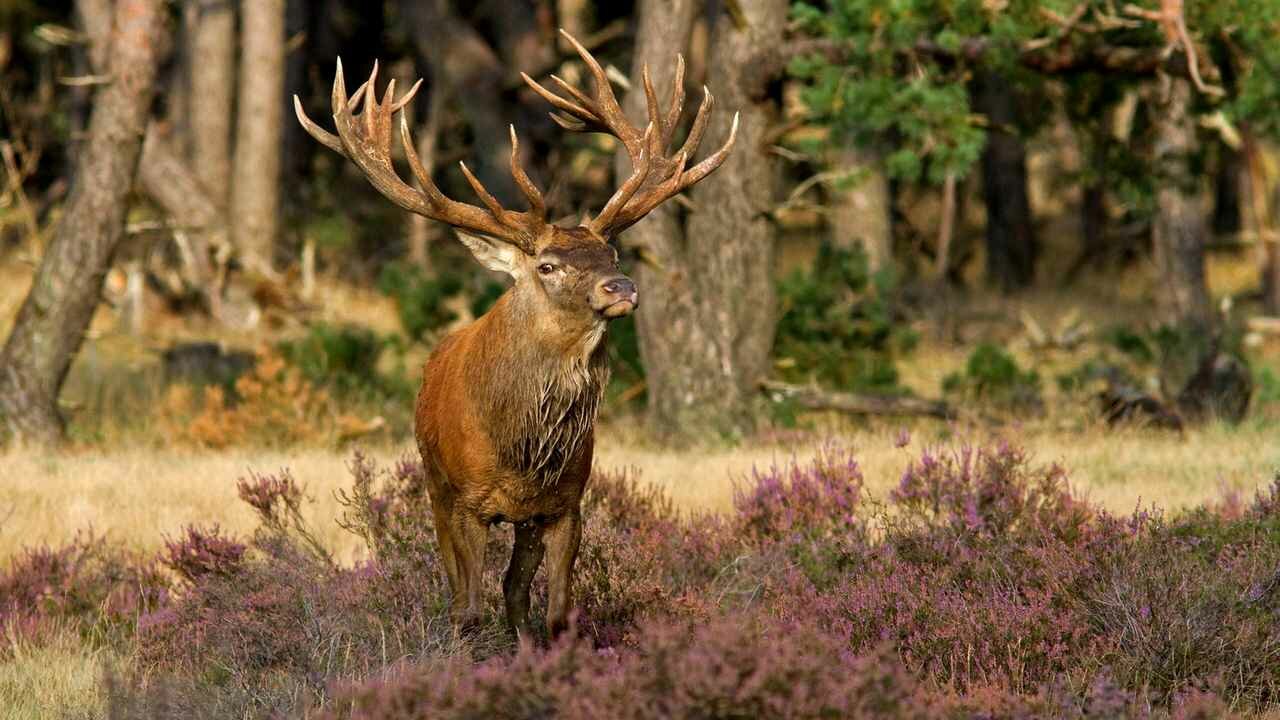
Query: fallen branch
(815, 398)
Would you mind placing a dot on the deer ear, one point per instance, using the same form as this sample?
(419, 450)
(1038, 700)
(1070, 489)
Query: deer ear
(492, 253)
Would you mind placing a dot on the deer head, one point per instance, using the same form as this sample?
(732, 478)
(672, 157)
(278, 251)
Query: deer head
(568, 272)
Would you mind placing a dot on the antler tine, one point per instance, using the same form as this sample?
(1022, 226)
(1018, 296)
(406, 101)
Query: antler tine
(679, 179)
(677, 103)
(408, 97)
(639, 173)
(713, 161)
(434, 196)
(491, 202)
(366, 140)
(556, 101)
(325, 137)
(700, 121)
(655, 177)
(605, 105)
(591, 106)
(651, 105)
(369, 109)
(537, 205)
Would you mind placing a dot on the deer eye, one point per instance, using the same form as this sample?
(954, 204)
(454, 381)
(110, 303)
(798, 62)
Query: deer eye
(546, 268)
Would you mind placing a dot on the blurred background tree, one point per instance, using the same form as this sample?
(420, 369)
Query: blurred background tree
(898, 160)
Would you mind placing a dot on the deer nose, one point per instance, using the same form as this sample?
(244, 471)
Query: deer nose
(620, 286)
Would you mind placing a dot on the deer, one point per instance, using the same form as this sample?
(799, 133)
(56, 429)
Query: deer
(505, 418)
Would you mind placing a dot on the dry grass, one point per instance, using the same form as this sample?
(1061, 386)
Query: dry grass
(56, 679)
(139, 496)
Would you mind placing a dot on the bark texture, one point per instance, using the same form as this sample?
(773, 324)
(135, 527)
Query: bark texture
(212, 25)
(1179, 229)
(169, 182)
(51, 324)
(707, 323)
(1011, 243)
(859, 214)
(255, 189)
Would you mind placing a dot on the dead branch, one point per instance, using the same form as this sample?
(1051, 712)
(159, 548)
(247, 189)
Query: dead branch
(815, 398)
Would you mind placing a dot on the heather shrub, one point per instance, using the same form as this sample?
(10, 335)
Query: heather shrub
(812, 516)
(735, 667)
(89, 585)
(970, 577)
(264, 626)
(1193, 602)
(202, 552)
(989, 493)
(980, 587)
(638, 559)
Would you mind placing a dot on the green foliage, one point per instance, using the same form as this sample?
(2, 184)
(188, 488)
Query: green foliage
(906, 69)
(992, 375)
(345, 359)
(1134, 344)
(484, 299)
(837, 324)
(627, 371)
(1267, 382)
(419, 297)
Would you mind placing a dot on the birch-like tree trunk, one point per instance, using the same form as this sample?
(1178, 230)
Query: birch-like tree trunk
(859, 206)
(255, 186)
(211, 25)
(1179, 229)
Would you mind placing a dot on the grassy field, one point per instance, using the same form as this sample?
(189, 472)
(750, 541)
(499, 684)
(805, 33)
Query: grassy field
(130, 488)
(140, 496)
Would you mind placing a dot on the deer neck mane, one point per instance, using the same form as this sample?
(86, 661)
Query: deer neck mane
(541, 386)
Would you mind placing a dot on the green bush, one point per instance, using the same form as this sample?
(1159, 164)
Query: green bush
(992, 375)
(837, 324)
(345, 359)
(419, 297)
(1267, 382)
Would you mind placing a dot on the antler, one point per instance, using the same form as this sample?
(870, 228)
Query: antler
(655, 176)
(366, 140)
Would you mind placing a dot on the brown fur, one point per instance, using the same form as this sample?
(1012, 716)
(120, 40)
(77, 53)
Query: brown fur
(507, 409)
(505, 426)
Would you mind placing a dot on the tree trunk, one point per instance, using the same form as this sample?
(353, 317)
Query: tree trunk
(1011, 243)
(166, 179)
(706, 329)
(51, 325)
(1179, 228)
(1228, 189)
(255, 188)
(1259, 221)
(859, 209)
(667, 323)
(212, 27)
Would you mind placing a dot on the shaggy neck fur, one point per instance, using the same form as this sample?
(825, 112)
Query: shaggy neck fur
(541, 385)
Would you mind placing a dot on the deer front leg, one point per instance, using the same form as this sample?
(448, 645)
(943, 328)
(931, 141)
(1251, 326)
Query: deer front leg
(526, 555)
(561, 537)
(469, 535)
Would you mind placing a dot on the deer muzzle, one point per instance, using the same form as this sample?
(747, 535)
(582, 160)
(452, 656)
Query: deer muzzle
(616, 297)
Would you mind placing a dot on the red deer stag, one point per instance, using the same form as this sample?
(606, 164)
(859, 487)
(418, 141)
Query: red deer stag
(506, 414)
